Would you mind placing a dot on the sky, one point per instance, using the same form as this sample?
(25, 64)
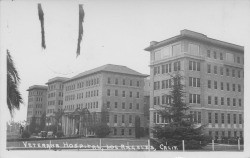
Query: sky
(115, 32)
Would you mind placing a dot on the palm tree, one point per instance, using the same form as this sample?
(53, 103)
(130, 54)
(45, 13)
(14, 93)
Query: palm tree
(14, 98)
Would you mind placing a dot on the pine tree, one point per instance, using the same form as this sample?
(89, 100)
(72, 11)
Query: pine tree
(180, 124)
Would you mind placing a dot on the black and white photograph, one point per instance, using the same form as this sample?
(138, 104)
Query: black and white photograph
(109, 78)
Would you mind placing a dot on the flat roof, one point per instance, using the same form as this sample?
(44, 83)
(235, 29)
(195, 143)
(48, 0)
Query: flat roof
(187, 34)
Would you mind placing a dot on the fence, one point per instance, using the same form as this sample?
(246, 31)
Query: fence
(109, 144)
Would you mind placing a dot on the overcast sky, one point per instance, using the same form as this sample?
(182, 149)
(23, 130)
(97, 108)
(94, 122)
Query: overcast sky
(115, 32)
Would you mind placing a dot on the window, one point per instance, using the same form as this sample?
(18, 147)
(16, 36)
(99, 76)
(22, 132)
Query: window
(238, 73)
(130, 94)
(193, 65)
(222, 100)
(130, 106)
(123, 105)
(116, 104)
(240, 118)
(239, 102)
(233, 73)
(215, 100)
(235, 133)
(209, 99)
(108, 92)
(116, 92)
(122, 131)
(215, 55)
(228, 101)
(107, 118)
(215, 84)
(115, 131)
(156, 85)
(208, 68)
(221, 71)
(123, 118)
(229, 133)
(137, 95)
(163, 70)
(108, 104)
(216, 117)
(221, 56)
(131, 83)
(209, 84)
(209, 117)
(115, 118)
(138, 83)
(222, 118)
(239, 88)
(156, 71)
(208, 54)
(238, 60)
(137, 106)
(221, 86)
(227, 71)
(177, 66)
(116, 81)
(215, 69)
(228, 87)
(194, 98)
(123, 94)
(234, 118)
(228, 119)
(123, 81)
(109, 80)
(234, 87)
(130, 118)
(234, 102)
(130, 131)
(194, 82)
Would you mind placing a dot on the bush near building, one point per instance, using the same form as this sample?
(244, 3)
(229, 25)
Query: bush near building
(101, 130)
(25, 134)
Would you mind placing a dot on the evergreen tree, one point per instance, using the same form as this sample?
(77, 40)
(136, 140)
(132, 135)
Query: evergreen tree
(43, 121)
(180, 124)
(32, 125)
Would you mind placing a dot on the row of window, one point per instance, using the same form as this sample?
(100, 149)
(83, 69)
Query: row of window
(122, 131)
(70, 97)
(121, 119)
(223, 118)
(233, 73)
(166, 99)
(218, 134)
(123, 105)
(90, 82)
(222, 101)
(50, 111)
(53, 87)
(39, 99)
(35, 93)
(51, 102)
(89, 105)
(167, 68)
(123, 93)
(92, 93)
(229, 57)
(38, 112)
(116, 81)
(50, 95)
(209, 85)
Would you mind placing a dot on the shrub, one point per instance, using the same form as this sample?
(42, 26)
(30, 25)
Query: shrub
(101, 130)
(25, 134)
(59, 134)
